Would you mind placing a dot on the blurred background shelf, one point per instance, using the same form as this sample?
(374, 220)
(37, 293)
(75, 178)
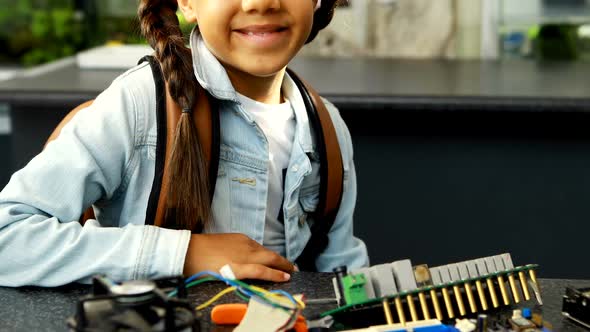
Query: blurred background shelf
(112, 56)
(8, 73)
(530, 12)
(545, 29)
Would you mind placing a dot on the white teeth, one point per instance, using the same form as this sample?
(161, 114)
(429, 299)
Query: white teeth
(262, 34)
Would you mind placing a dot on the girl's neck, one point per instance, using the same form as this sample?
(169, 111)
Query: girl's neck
(262, 89)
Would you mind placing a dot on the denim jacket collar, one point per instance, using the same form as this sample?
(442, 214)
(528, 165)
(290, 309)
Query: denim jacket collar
(209, 71)
(213, 78)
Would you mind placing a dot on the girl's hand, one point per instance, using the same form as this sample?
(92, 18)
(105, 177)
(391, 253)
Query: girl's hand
(247, 258)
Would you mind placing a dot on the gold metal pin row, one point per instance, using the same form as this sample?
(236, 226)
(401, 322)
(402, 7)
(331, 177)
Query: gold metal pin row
(449, 291)
(401, 313)
(462, 296)
(429, 300)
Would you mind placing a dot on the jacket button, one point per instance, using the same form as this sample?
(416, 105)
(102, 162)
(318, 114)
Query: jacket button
(295, 168)
(302, 219)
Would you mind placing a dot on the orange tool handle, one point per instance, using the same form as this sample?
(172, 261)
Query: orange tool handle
(233, 313)
(228, 314)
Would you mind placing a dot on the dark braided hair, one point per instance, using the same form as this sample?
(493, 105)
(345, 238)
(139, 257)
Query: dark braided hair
(188, 186)
(188, 205)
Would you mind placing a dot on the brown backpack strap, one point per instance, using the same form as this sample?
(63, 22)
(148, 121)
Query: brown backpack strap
(331, 173)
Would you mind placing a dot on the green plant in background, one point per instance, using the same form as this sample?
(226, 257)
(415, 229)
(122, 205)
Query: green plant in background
(126, 29)
(15, 32)
(35, 31)
(56, 32)
(39, 31)
(558, 42)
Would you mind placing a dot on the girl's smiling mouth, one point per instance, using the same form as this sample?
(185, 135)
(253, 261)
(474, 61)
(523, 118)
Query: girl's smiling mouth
(266, 35)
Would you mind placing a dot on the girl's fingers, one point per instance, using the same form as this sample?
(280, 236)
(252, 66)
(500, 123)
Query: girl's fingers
(274, 260)
(258, 271)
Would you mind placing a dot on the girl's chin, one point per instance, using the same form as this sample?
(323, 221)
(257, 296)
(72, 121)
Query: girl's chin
(263, 71)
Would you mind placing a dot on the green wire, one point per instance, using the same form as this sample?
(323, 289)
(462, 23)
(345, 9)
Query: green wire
(199, 281)
(192, 284)
(259, 294)
(240, 295)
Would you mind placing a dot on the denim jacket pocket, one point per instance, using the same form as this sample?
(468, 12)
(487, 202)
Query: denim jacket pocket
(308, 201)
(241, 185)
(301, 233)
(309, 193)
(309, 198)
(221, 211)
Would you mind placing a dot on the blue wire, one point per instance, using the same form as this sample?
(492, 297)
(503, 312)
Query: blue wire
(239, 287)
(289, 296)
(221, 278)
(197, 276)
(203, 273)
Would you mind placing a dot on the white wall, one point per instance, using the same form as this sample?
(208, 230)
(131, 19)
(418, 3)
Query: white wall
(520, 10)
(350, 24)
(386, 28)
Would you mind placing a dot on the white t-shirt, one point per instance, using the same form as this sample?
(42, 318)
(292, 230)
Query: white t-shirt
(278, 124)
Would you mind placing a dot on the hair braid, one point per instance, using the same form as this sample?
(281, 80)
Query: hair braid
(188, 205)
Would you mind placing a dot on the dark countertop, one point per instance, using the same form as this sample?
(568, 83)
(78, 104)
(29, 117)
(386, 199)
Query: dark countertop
(39, 309)
(374, 83)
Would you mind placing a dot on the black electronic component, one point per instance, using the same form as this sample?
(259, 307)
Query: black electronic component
(482, 323)
(139, 305)
(576, 305)
(340, 273)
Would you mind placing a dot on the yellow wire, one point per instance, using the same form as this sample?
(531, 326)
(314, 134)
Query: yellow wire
(216, 297)
(277, 296)
(266, 293)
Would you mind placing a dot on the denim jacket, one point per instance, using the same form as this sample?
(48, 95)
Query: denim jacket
(105, 158)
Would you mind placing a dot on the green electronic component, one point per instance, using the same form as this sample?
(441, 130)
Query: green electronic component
(354, 288)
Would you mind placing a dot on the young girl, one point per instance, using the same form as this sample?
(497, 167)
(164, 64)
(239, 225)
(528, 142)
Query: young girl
(267, 181)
